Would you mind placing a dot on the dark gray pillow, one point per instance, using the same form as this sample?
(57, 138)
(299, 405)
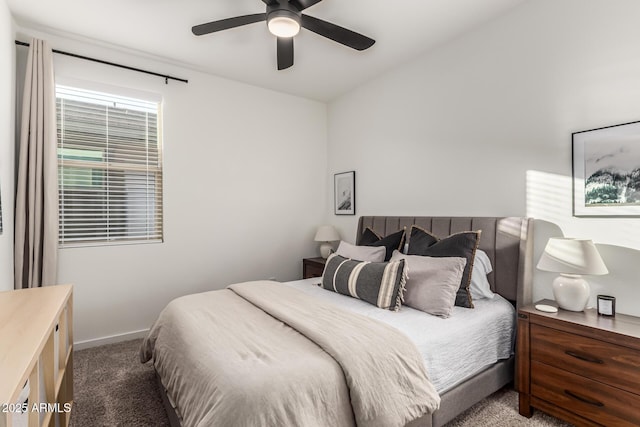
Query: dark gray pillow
(464, 244)
(378, 283)
(392, 242)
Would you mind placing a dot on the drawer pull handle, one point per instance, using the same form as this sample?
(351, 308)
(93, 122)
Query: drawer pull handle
(584, 399)
(583, 357)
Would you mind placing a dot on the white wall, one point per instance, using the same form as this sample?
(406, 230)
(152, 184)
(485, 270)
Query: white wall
(7, 155)
(482, 126)
(244, 179)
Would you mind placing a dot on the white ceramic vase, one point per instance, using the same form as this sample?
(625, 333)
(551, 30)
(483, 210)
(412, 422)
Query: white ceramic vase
(571, 292)
(325, 250)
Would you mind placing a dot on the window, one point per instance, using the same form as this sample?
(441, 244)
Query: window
(109, 168)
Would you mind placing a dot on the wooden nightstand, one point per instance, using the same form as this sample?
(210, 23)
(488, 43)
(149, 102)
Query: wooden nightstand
(312, 267)
(578, 366)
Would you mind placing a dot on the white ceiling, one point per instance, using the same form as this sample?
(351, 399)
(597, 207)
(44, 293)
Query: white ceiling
(323, 69)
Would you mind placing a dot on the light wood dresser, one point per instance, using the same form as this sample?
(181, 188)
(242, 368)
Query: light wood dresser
(36, 344)
(579, 366)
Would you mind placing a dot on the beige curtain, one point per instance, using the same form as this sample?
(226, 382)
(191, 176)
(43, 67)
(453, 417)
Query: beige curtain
(36, 221)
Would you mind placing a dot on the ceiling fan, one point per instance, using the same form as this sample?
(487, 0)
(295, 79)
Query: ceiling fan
(284, 19)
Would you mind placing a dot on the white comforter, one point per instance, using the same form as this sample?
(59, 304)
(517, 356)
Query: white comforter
(453, 349)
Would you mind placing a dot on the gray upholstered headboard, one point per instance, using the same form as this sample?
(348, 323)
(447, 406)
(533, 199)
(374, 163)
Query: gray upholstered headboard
(508, 242)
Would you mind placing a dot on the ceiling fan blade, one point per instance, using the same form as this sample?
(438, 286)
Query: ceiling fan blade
(336, 33)
(303, 4)
(270, 2)
(225, 24)
(285, 52)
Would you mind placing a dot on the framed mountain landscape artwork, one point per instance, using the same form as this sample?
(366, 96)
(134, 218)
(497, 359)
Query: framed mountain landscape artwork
(606, 171)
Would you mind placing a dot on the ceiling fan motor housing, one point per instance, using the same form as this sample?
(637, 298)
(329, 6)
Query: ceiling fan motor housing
(286, 11)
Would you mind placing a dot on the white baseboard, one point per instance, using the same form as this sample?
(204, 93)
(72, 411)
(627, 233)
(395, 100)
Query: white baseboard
(81, 345)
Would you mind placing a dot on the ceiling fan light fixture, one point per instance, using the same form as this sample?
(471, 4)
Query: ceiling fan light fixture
(283, 23)
(284, 20)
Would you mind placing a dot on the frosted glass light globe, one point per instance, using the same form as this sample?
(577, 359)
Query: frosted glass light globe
(283, 26)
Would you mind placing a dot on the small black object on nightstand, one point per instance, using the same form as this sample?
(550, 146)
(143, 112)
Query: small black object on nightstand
(606, 305)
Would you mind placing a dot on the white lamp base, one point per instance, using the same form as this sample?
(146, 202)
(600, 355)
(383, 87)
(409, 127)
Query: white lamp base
(571, 292)
(325, 250)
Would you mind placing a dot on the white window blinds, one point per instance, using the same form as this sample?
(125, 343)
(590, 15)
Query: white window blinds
(109, 168)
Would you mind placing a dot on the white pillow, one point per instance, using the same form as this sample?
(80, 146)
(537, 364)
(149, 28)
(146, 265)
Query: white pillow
(362, 253)
(480, 287)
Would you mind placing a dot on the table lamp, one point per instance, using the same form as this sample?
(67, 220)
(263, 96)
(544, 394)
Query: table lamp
(326, 234)
(572, 258)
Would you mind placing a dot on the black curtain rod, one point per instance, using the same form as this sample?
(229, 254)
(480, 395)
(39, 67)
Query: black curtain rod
(126, 67)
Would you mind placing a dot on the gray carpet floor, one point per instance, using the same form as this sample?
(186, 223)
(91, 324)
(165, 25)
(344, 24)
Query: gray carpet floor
(112, 388)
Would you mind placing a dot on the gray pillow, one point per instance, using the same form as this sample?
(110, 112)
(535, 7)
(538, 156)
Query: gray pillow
(432, 282)
(462, 244)
(362, 253)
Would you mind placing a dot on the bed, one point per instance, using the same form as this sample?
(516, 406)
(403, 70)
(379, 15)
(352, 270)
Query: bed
(508, 243)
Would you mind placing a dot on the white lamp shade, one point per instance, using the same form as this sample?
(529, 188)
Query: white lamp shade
(572, 256)
(326, 233)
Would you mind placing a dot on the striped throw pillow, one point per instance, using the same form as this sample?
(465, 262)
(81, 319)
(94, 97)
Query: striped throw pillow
(378, 283)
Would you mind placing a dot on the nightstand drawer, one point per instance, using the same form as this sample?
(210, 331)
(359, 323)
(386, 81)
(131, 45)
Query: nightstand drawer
(601, 361)
(590, 399)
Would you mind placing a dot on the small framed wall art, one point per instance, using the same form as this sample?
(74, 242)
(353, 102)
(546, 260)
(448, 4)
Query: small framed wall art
(344, 184)
(606, 171)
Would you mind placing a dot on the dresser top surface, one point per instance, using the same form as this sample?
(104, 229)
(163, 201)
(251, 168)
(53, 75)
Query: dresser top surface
(26, 318)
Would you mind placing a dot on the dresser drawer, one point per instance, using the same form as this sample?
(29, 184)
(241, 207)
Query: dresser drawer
(601, 361)
(590, 399)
